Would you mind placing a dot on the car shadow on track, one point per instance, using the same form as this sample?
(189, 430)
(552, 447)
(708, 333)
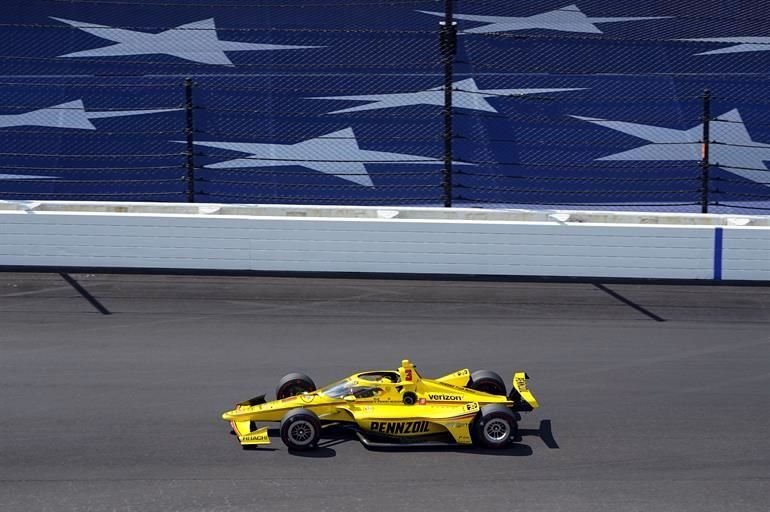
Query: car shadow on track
(324, 449)
(545, 433)
(319, 453)
(258, 448)
(515, 449)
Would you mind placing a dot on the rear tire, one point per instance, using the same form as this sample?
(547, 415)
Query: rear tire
(294, 384)
(488, 382)
(300, 430)
(494, 427)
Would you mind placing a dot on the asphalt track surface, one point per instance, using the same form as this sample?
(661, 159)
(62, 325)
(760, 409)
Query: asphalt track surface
(657, 397)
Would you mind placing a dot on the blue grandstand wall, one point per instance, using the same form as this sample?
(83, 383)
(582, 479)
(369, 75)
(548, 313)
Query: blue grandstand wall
(597, 104)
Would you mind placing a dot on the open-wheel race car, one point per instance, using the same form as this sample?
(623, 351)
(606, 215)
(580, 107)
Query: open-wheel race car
(390, 407)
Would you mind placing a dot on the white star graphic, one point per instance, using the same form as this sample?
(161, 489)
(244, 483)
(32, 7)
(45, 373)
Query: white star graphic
(72, 114)
(737, 44)
(336, 154)
(732, 147)
(467, 96)
(25, 177)
(196, 42)
(566, 19)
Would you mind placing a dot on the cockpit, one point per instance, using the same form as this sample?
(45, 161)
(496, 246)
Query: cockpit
(348, 387)
(386, 376)
(363, 385)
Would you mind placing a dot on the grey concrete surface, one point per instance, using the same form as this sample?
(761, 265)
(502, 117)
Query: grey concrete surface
(658, 396)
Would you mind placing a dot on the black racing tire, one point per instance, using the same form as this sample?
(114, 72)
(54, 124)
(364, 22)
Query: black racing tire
(494, 427)
(487, 381)
(294, 384)
(300, 429)
(409, 398)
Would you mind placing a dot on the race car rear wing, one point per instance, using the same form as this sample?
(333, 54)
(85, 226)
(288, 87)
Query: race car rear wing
(522, 398)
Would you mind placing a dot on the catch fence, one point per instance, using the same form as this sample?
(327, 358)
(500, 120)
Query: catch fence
(621, 105)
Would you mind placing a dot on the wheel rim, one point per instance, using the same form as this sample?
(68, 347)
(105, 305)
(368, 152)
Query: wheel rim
(302, 433)
(497, 430)
(290, 390)
(293, 390)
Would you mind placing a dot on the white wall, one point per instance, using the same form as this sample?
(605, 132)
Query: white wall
(746, 254)
(218, 242)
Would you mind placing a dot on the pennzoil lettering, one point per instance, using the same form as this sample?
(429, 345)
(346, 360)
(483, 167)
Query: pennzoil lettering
(444, 398)
(399, 427)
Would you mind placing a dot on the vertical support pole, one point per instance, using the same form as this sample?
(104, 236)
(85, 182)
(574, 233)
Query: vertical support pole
(189, 132)
(448, 48)
(705, 162)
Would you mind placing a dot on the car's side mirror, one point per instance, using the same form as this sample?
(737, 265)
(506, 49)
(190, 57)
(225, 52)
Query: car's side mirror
(349, 398)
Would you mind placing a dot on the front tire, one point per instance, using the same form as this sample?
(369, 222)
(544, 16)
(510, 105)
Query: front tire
(300, 430)
(294, 384)
(495, 426)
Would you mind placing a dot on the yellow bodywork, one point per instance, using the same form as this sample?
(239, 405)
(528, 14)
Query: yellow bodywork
(374, 402)
(247, 437)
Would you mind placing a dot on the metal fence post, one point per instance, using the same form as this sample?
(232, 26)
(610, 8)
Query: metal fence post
(448, 48)
(189, 131)
(705, 152)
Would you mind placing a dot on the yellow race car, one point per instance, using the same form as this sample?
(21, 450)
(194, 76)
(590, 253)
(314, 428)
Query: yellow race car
(390, 407)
